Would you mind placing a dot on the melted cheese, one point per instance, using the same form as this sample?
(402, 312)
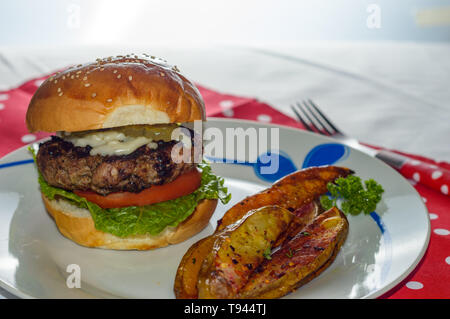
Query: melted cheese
(110, 142)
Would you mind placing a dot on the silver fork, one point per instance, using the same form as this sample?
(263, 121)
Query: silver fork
(314, 120)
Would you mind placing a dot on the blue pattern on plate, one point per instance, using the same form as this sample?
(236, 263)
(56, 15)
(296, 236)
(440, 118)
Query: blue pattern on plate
(263, 163)
(4, 165)
(326, 154)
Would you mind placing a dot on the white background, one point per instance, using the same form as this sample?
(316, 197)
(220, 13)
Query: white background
(208, 22)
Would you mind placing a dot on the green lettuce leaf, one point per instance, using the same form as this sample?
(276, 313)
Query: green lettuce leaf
(142, 220)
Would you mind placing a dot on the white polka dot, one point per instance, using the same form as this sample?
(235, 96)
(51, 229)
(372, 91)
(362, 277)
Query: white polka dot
(38, 82)
(436, 174)
(226, 104)
(28, 138)
(444, 189)
(433, 216)
(415, 285)
(228, 112)
(424, 199)
(414, 162)
(416, 177)
(2, 106)
(441, 231)
(447, 260)
(264, 118)
(4, 97)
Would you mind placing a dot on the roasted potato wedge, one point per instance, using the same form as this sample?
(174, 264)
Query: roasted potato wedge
(291, 192)
(302, 218)
(301, 259)
(239, 250)
(212, 269)
(185, 286)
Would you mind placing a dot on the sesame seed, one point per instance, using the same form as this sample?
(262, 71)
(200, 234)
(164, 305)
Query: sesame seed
(130, 78)
(87, 84)
(78, 72)
(64, 77)
(72, 77)
(94, 95)
(56, 81)
(102, 69)
(58, 90)
(119, 76)
(162, 74)
(85, 78)
(109, 100)
(60, 94)
(115, 71)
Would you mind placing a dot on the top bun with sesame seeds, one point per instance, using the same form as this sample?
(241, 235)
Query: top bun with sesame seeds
(112, 92)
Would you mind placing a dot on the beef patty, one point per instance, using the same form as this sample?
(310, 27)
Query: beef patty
(70, 167)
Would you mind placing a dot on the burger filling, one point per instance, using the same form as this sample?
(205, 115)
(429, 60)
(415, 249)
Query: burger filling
(126, 177)
(71, 167)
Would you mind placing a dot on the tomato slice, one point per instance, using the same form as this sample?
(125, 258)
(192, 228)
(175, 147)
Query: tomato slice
(181, 186)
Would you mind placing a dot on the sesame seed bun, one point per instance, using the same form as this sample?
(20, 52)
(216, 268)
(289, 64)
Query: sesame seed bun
(77, 224)
(114, 91)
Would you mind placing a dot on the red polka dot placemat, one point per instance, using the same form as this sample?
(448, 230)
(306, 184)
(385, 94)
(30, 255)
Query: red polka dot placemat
(431, 277)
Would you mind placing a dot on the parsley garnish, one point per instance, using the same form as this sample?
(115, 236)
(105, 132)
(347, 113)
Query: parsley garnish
(355, 197)
(267, 253)
(289, 254)
(304, 233)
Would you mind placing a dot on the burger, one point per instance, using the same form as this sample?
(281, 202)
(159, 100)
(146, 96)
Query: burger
(121, 170)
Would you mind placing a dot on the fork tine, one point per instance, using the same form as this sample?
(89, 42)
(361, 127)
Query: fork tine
(305, 112)
(324, 127)
(306, 125)
(316, 108)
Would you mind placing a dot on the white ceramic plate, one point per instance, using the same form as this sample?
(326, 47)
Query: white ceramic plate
(380, 251)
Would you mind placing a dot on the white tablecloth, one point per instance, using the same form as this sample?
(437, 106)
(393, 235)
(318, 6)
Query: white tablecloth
(388, 94)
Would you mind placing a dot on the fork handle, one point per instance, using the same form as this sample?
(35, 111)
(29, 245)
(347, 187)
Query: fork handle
(421, 172)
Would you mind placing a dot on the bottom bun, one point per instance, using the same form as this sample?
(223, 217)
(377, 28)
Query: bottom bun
(77, 224)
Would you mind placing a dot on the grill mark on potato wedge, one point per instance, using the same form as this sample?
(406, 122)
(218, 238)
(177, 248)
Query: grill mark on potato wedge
(303, 217)
(240, 249)
(292, 191)
(301, 259)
